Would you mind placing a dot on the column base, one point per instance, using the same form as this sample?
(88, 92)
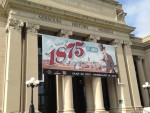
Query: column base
(125, 110)
(68, 111)
(90, 111)
(59, 111)
(36, 111)
(100, 111)
(138, 109)
(1, 111)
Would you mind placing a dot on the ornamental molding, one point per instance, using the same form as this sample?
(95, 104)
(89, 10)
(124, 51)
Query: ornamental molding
(32, 27)
(117, 43)
(127, 43)
(120, 15)
(73, 25)
(3, 19)
(139, 58)
(65, 33)
(15, 24)
(93, 37)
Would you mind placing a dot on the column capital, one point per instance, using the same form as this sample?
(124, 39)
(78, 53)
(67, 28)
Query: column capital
(15, 24)
(93, 37)
(139, 58)
(32, 27)
(117, 42)
(127, 43)
(65, 33)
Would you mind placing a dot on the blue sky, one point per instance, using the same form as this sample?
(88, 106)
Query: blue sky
(138, 16)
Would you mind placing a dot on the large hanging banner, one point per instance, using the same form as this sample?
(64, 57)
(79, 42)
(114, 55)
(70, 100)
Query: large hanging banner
(62, 56)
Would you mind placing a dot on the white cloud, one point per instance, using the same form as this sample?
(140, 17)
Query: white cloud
(138, 16)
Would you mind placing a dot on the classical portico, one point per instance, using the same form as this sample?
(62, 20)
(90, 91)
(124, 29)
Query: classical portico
(95, 21)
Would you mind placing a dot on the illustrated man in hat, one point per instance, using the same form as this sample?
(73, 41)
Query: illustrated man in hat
(107, 59)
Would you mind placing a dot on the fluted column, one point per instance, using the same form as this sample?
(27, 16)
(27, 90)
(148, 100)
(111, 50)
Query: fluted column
(132, 76)
(13, 67)
(142, 80)
(89, 94)
(112, 94)
(3, 51)
(88, 83)
(59, 82)
(31, 63)
(67, 84)
(59, 93)
(97, 86)
(123, 93)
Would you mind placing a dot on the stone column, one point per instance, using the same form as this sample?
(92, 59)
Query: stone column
(59, 93)
(132, 76)
(88, 83)
(13, 67)
(123, 93)
(97, 86)
(89, 94)
(142, 80)
(67, 84)
(31, 63)
(112, 94)
(3, 45)
(59, 83)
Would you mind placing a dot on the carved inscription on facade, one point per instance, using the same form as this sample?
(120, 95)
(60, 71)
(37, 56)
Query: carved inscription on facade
(49, 19)
(74, 24)
(105, 30)
(78, 25)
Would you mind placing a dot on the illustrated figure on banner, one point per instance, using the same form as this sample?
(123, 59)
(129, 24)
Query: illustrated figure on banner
(107, 59)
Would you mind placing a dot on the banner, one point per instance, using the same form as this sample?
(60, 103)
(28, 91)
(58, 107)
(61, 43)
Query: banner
(62, 56)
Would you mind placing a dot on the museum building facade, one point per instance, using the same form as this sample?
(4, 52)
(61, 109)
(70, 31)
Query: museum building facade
(22, 26)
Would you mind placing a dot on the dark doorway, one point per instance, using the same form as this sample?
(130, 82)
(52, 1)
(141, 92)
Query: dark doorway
(50, 94)
(138, 80)
(105, 94)
(79, 94)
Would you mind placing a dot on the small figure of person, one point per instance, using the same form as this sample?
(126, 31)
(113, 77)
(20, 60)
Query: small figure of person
(107, 59)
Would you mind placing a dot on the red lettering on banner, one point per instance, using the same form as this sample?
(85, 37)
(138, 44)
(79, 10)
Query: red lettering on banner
(60, 54)
(73, 48)
(79, 51)
(70, 55)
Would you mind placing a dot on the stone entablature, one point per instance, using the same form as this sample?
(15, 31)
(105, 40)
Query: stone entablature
(141, 42)
(57, 21)
(41, 8)
(29, 11)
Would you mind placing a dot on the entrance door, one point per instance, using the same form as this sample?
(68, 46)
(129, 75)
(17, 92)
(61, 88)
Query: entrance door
(105, 94)
(79, 94)
(50, 94)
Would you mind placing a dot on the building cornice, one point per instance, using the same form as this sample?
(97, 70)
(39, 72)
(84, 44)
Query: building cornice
(141, 42)
(39, 8)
